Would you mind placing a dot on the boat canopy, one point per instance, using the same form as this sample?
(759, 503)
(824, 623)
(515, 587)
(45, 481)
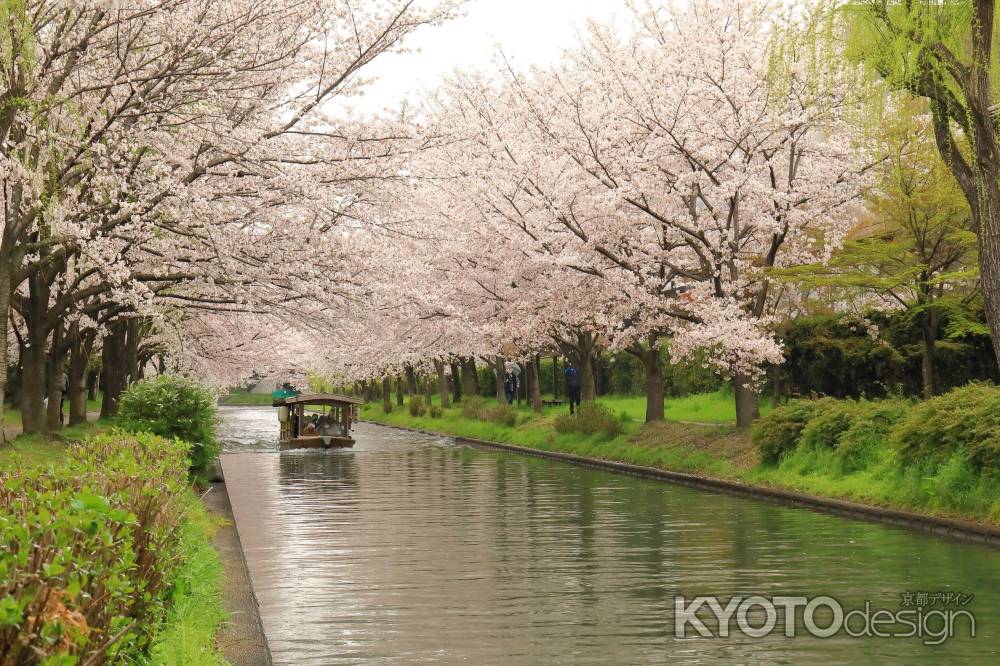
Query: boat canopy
(318, 399)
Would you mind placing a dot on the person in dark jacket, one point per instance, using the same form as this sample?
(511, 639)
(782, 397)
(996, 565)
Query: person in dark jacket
(574, 387)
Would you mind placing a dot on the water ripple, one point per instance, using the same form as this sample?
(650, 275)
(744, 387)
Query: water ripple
(409, 549)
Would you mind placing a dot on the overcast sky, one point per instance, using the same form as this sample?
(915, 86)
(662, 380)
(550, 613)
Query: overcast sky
(528, 31)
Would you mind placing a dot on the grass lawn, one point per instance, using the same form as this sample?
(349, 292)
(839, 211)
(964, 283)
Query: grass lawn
(46, 448)
(246, 399)
(714, 447)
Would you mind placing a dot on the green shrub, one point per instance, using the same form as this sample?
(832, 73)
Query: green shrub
(436, 412)
(864, 442)
(965, 421)
(778, 432)
(473, 407)
(823, 429)
(591, 418)
(173, 407)
(90, 551)
(501, 415)
(417, 406)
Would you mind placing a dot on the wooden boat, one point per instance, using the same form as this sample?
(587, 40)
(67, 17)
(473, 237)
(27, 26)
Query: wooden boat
(327, 430)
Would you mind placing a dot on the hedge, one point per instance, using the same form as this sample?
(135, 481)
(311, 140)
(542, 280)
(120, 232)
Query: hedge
(90, 550)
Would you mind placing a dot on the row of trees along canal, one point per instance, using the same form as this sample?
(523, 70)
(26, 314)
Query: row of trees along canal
(723, 168)
(184, 180)
(161, 163)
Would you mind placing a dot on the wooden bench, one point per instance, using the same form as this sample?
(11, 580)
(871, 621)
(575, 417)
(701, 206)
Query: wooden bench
(552, 403)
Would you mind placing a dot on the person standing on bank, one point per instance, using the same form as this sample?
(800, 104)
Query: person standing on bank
(573, 387)
(511, 381)
(63, 391)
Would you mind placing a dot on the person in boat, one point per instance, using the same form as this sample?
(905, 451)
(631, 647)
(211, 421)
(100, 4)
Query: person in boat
(309, 427)
(327, 427)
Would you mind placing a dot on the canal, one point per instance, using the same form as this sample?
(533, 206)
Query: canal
(413, 549)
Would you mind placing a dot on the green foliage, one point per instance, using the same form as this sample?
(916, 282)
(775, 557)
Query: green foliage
(862, 444)
(833, 356)
(964, 422)
(416, 406)
(501, 415)
(91, 550)
(188, 633)
(436, 412)
(824, 428)
(591, 418)
(473, 407)
(778, 432)
(173, 406)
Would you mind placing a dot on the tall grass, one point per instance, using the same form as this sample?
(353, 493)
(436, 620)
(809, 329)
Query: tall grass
(188, 634)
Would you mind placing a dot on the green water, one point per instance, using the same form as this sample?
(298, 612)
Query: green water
(410, 549)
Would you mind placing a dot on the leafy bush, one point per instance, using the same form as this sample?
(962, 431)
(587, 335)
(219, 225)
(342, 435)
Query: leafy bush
(417, 406)
(778, 433)
(864, 441)
(173, 407)
(473, 407)
(590, 418)
(90, 551)
(436, 412)
(965, 421)
(501, 415)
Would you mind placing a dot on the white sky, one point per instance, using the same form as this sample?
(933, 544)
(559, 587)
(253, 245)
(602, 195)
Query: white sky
(528, 32)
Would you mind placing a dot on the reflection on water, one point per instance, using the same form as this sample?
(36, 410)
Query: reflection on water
(409, 549)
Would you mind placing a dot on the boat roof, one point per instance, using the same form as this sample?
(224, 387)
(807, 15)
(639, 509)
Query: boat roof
(318, 399)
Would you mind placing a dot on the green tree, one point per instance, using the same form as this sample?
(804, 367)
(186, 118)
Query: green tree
(942, 50)
(917, 252)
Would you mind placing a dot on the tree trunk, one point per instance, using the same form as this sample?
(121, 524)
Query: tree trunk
(498, 370)
(535, 383)
(428, 391)
(113, 367)
(386, 395)
(93, 379)
(5, 293)
(33, 386)
(456, 385)
(131, 358)
(652, 364)
(776, 386)
(747, 401)
(989, 267)
(32, 393)
(399, 391)
(78, 358)
(555, 377)
(55, 369)
(411, 380)
(927, 372)
(470, 380)
(442, 382)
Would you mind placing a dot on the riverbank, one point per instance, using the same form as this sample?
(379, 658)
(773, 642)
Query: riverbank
(241, 637)
(714, 453)
(246, 399)
(192, 609)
